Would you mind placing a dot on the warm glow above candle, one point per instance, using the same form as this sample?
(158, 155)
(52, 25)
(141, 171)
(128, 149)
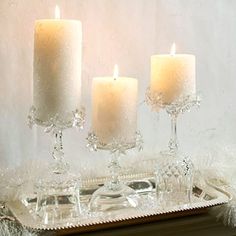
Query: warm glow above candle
(173, 49)
(116, 72)
(57, 12)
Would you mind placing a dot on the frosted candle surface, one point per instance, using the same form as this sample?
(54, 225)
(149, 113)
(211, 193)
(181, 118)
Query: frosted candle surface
(57, 67)
(114, 108)
(173, 76)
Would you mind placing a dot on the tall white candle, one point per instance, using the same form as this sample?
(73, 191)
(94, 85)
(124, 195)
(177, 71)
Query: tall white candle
(114, 108)
(57, 67)
(173, 75)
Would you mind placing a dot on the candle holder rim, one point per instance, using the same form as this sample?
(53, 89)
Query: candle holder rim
(77, 119)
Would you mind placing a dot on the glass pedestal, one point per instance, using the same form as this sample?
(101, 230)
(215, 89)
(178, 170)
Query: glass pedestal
(57, 197)
(174, 179)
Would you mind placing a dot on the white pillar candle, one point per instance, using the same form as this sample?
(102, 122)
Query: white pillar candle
(57, 67)
(114, 108)
(173, 75)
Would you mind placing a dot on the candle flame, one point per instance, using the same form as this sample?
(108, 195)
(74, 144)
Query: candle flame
(173, 49)
(116, 72)
(57, 12)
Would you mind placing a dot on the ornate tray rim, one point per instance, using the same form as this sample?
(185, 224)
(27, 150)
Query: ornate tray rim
(21, 212)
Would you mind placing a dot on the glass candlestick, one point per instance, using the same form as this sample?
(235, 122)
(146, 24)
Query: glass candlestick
(57, 189)
(114, 195)
(174, 173)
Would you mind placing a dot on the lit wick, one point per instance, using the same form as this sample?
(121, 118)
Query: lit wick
(116, 72)
(57, 13)
(173, 49)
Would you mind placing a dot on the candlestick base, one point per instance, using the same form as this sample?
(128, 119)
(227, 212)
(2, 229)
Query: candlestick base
(57, 197)
(114, 195)
(107, 198)
(174, 179)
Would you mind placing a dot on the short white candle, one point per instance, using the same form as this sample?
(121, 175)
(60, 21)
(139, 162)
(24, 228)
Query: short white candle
(173, 75)
(57, 67)
(114, 108)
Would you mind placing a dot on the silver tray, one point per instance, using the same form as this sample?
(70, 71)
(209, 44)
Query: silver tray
(203, 198)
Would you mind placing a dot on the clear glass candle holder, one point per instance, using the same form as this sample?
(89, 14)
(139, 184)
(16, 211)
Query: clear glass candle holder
(115, 194)
(175, 170)
(57, 189)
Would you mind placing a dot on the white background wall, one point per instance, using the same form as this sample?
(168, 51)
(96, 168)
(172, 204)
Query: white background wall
(126, 32)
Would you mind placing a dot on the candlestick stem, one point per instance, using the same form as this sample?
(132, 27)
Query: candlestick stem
(173, 143)
(60, 166)
(114, 168)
